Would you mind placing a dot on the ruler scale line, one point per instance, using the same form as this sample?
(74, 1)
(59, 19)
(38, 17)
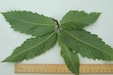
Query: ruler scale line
(62, 68)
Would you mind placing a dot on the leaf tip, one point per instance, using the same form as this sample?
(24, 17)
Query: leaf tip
(96, 13)
(2, 12)
(99, 13)
(3, 61)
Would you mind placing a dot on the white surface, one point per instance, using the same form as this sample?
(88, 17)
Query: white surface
(10, 39)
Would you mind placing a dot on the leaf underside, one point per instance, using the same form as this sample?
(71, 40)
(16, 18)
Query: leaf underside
(72, 38)
(87, 44)
(71, 59)
(78, 19)
(30, 23)
(32, 47)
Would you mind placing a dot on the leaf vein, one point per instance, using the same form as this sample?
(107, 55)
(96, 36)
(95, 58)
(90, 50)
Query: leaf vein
(70, 58)
(82, 41)
(33, 46)
(31, 22)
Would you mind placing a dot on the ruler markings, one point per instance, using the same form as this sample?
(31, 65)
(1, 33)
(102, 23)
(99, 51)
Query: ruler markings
(62, 68)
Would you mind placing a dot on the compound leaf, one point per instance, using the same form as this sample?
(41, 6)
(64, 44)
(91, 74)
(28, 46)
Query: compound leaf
(30, 23)
(78, 19)
(87, 44)
(33, 47)
(72, 38)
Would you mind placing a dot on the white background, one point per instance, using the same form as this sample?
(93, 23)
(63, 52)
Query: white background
(10, 39)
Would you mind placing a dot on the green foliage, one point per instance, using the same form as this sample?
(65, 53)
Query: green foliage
(88, 45)
(30, 23)
(72, 38)
(78, 19)
(33, 47)
(71, 59)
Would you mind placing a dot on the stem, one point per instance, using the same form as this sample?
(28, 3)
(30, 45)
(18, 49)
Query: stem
(58, 26)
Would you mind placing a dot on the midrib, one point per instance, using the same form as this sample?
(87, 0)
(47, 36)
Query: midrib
(32, 47)
(70, 57)
(83, 41)
(31, 22)
(75, 20)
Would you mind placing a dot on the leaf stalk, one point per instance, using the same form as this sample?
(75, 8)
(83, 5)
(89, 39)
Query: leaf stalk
(58, 25)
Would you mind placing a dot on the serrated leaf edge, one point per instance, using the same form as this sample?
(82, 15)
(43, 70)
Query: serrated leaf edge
(69, 56)
(83, 41)
(27, 21)
(80, 18)
(33, 46)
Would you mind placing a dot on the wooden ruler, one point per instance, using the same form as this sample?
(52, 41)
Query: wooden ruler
(62, 69)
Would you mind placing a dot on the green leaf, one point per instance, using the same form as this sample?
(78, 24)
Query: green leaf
(72, 38)
(30, 23)
(87, 44)
(78, 19)
(71, 59)
(33, 47)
